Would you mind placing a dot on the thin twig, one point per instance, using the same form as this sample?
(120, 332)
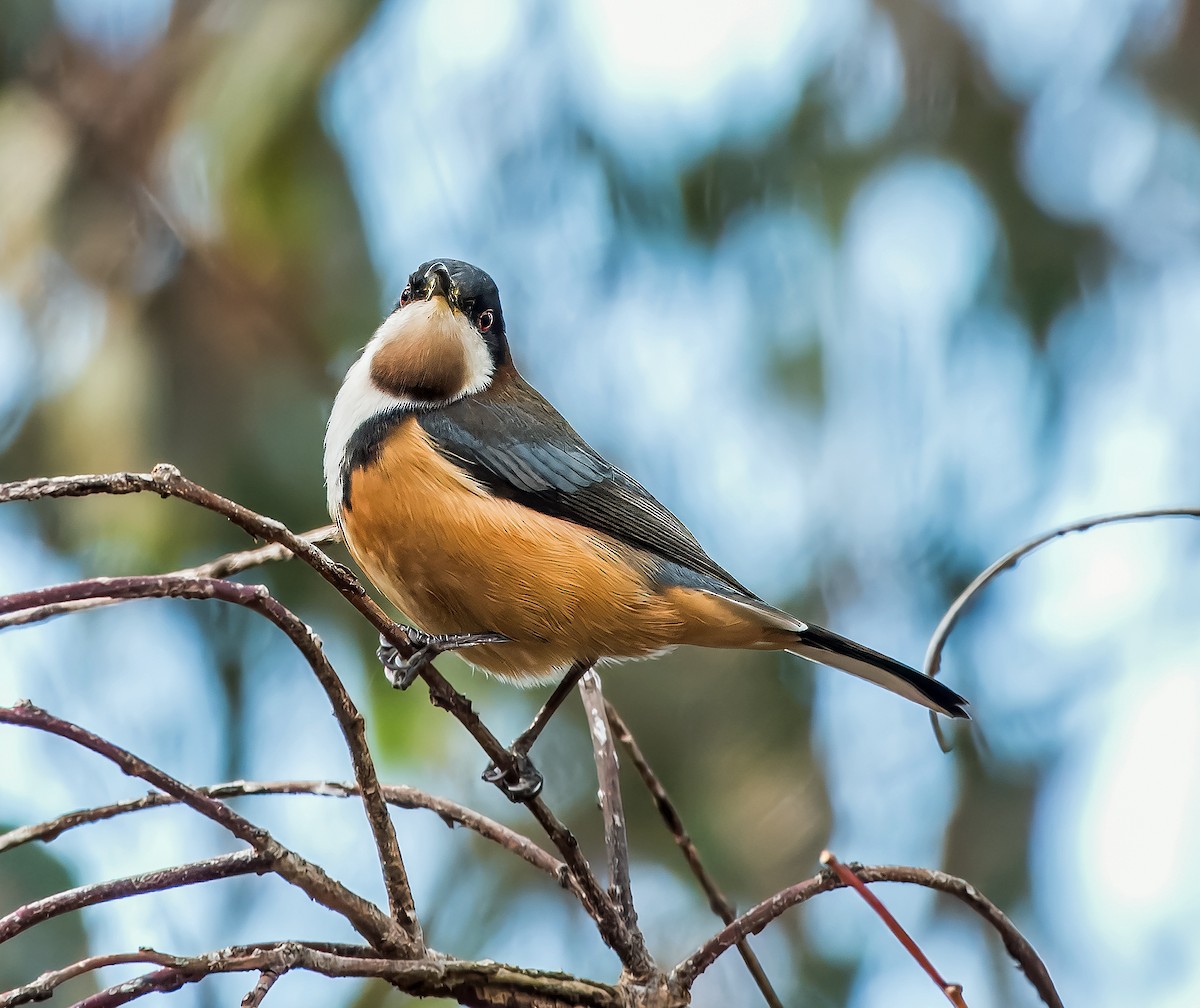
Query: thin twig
(223, 866)
(758, 917)
(670, 814)
(579, 876)
(273, 552)
(254, 997)
(953, 992)
(44, 986)
(401, 796)
(608, 775)
(220, 567)
(167, 481)
(258, 599)
(380, 930)
(583, 882)
(937, 643)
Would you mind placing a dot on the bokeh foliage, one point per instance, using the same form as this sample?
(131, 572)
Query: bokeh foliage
(183, 251)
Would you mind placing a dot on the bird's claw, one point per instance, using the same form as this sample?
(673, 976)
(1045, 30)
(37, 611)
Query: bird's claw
(520, 783)
(402, 672)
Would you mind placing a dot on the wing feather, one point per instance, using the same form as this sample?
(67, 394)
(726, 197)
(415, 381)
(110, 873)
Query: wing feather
(519, 447)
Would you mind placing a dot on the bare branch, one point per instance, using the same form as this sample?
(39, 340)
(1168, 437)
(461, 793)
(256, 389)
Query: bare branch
(594, 900)
(258, 599)
(398, 795)
(608, 774)
(758, 917)
(380, 930)
(224, 866)
(937, 643)
(220, 567)
(579, 876)
(242, 560)
(167, 481)
(476, 983)
(666, 808)
(471, 983)
(44, 986)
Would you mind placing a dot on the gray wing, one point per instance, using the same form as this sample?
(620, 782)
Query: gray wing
(519, 447)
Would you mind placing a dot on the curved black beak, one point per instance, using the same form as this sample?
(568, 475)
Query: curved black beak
(437, 280)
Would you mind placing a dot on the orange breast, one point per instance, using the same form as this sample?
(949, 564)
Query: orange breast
(455, 559)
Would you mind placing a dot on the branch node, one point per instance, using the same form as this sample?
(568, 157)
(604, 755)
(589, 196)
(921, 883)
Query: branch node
(165, 474)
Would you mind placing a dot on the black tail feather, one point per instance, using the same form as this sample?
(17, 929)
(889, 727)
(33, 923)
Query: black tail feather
(827, 648)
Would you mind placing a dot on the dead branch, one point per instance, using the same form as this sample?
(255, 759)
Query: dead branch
(380, 930)
(471, 983)
(608, 774)
(258, 599)
(758, 917)
(398, 954)
(399, 795)
(220, 567)
(670, 815)
(266, 980)
(166, 480)
(223, 866)
(43, 988)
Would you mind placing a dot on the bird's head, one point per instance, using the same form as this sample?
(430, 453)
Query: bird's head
(444, 339)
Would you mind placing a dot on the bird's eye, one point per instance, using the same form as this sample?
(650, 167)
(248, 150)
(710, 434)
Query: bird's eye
(485, 320)
(405, 296)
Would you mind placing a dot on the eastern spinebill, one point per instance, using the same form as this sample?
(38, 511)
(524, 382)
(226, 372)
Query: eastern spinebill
(471, 503)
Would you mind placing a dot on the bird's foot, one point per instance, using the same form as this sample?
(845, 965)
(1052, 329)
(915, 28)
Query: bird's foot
(521, 782)
(402, 672)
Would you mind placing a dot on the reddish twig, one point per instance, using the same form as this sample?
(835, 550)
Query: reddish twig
(380, 930)
(258, 599)
(758, 917)
(666, 808)
(224, 866)
(452, 813)
(953, 992)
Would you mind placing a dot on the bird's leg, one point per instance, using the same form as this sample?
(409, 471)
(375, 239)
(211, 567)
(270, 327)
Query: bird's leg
(402, 672)
(522, 781)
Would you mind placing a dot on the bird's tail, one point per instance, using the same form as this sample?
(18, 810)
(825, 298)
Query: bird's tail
(749, 622)
(827, 648)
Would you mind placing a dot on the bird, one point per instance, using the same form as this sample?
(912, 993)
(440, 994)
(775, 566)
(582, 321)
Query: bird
(477, 510)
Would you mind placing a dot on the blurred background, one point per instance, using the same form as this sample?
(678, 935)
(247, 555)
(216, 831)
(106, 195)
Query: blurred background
(867, 292)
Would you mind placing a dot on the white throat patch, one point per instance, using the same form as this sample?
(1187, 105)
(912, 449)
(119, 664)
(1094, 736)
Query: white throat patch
(360, 398)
